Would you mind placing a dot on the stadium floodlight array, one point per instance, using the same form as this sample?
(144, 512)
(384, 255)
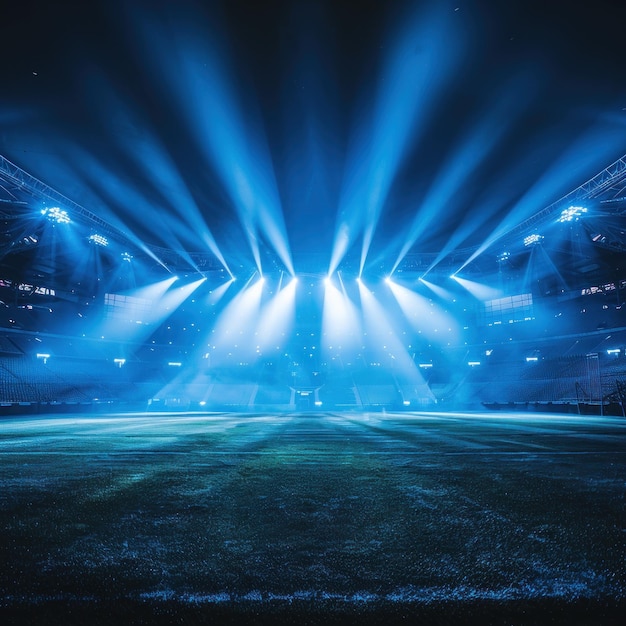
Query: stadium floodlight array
(533, 239)
(572, 213)
(99, 240)
(57, 215)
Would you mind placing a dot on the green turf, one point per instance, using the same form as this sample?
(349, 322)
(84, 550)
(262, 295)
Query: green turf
(314, 517)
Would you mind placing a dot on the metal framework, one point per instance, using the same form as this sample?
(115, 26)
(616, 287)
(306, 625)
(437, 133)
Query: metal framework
(24, 182)
(610, 183)
(608, 187)
(20, 181)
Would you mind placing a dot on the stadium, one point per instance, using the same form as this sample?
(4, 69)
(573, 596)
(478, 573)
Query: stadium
(270, 355)
(93, 322)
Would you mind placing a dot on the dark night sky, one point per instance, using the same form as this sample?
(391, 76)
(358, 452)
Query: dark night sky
(84, 82)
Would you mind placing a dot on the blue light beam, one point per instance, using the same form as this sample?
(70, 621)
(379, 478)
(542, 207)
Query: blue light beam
(478, 290)
(234, 329)
(194, 71)
(409, 88)
(341, 326)
(277, 317)
(384, 342)
(424, 315)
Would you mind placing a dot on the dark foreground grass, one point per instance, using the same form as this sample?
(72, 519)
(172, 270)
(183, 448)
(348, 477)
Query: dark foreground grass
(313, 519)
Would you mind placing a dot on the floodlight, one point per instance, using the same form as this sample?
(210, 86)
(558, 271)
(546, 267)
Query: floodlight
(127, 257)
(533, 239)
(56, 215)
(572, 214)
(99, 240)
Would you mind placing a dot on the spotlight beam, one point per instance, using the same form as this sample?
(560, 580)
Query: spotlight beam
(234, 145)
(407, 93)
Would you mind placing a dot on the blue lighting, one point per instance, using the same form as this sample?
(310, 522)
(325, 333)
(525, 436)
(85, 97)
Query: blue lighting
(56, 215)
(572, 214)
(99, 240)
(533, 239)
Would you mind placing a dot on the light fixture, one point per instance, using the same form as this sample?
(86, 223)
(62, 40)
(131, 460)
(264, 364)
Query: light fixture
(99, 240)
(57, 215)
(572, 213)
(533, 239)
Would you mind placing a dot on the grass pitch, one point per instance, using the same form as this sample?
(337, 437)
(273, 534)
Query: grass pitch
(313, 518)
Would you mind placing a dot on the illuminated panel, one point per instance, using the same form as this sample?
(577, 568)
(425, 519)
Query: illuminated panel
(509, 309)
(125, 307)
